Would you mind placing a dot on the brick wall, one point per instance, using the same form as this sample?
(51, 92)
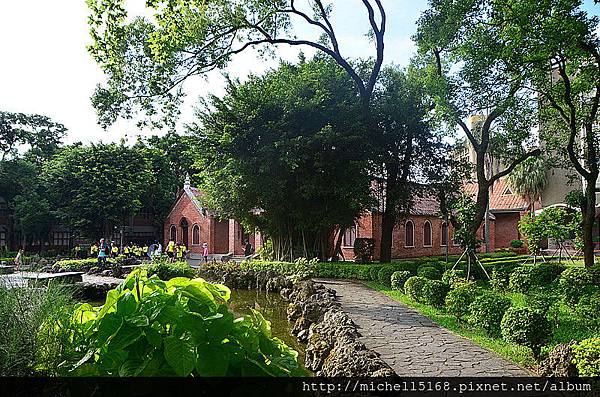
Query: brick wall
(507, 228)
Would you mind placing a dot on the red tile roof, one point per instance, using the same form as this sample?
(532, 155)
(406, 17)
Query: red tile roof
(501, 198)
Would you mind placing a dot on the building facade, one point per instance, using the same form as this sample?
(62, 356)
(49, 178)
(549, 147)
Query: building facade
(192, 224)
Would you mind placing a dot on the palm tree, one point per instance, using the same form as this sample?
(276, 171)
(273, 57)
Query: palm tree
(528, 180)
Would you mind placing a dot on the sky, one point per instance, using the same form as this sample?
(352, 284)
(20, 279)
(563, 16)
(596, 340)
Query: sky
(45, 68)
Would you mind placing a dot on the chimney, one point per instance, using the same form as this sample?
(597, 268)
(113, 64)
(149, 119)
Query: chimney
(187, 183)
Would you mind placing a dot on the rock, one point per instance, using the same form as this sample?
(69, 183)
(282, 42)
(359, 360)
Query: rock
(301, 324)
(106, 273)
(294, 312)
(43, 262)
(302, 336)
(559, 362)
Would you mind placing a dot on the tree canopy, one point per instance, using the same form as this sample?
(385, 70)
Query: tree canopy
(292, 163)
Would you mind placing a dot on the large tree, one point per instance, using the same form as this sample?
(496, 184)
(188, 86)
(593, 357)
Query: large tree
(146, 61)
(96, 188)
(291, 163)
(470, 76)
(529, 179)
(556, 44)
(405, 143)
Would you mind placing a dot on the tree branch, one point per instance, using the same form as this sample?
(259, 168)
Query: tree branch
(533, 153)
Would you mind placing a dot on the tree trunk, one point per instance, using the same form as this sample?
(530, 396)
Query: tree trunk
(589, 217)
(338, 244)
(388, 219)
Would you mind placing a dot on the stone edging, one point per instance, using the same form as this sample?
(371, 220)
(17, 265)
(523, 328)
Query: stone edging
(332, 340)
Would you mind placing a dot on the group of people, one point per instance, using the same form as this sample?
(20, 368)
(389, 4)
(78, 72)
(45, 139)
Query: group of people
(175, 251)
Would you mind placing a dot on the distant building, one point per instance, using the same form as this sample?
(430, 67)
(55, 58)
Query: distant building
(192, 224)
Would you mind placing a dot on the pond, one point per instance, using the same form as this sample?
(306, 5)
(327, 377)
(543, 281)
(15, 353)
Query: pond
(274, 308)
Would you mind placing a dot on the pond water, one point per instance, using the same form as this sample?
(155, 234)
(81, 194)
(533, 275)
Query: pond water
(274, 308)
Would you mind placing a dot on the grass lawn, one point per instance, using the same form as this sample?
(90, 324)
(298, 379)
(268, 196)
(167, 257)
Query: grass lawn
(567, 330)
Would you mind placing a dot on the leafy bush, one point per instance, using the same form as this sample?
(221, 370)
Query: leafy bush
(545, 273)
(516, 244)
(408, 266)
(587, 357)
(413, 287)
(364, 249)
(344, 270)
(399, 278)
(22, 313)
(429, 272)
(520, 279)
(542, 298)
(573, 283)
(167, 270)
(487, 311)
(527, 327)
(300, 269)
(452, 277)
(73, 265)
(374, 272)
(149, 327)
(587, 310)
(384, 276)
(434, 292)
(500, 277)
(459, 299)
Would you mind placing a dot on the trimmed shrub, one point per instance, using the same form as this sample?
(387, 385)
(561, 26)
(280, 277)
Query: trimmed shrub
(384, 276)
(545, 273)
(77, 264)
(587, 310)
(527, 327)
(587, 357)
(166, 270)
(407, 266)
(429, 272)
(413, 287)
(364, 249)
(542, 298)
(487, 311)
(434, 292)
(374, 271)
(344, 270)
(573, 283)
(459, 299)
(516, 244)
(452, 277)
(399, 278)
(500, 277)
(520, 279)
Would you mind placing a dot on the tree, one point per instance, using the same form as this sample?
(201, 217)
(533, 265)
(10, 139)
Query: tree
(405, 141)
(147, 61)
(291, 163)
(528, 180)
(464, 52)
(33, 215)
(20, 131)
(171, 158)
(96, 188)
(556, 45)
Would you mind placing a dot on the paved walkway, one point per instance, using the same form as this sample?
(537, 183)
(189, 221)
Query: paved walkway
(412, 344)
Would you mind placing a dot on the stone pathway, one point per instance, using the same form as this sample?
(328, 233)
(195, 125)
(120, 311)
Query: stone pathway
(412, 344)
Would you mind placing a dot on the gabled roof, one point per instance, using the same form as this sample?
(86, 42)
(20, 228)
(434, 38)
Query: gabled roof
(502, 199)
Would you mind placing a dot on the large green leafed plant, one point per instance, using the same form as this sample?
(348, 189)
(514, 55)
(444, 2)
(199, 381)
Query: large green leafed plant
(180, 327)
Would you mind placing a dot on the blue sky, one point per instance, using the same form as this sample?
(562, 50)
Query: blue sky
(46, 68)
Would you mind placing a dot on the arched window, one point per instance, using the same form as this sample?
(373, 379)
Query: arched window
(444, 234)
(173, 233)
(427, 237)
(409, 234)
(349, 236)
(196, 235)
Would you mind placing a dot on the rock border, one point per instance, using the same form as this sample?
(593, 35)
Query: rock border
(333, 346)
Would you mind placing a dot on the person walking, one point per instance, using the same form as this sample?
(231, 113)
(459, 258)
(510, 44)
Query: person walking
(171, 250)
(248, 248)
(205, 252)
(19, 259)
(103, 252)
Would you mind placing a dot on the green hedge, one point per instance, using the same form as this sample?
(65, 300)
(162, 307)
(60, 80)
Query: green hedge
(587, 357)
(77, 264)
(345, 270)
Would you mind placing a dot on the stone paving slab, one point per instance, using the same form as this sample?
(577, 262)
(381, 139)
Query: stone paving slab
(411, 343)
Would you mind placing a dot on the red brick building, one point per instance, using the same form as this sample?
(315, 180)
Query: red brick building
(424, 233)
(192, 224)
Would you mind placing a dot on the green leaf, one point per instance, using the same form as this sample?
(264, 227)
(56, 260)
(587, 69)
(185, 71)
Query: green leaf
(126, 304)
(138, 320)
(153, 337)
(212, 361)
(125, 337)
(180, 355)
(108, 326)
